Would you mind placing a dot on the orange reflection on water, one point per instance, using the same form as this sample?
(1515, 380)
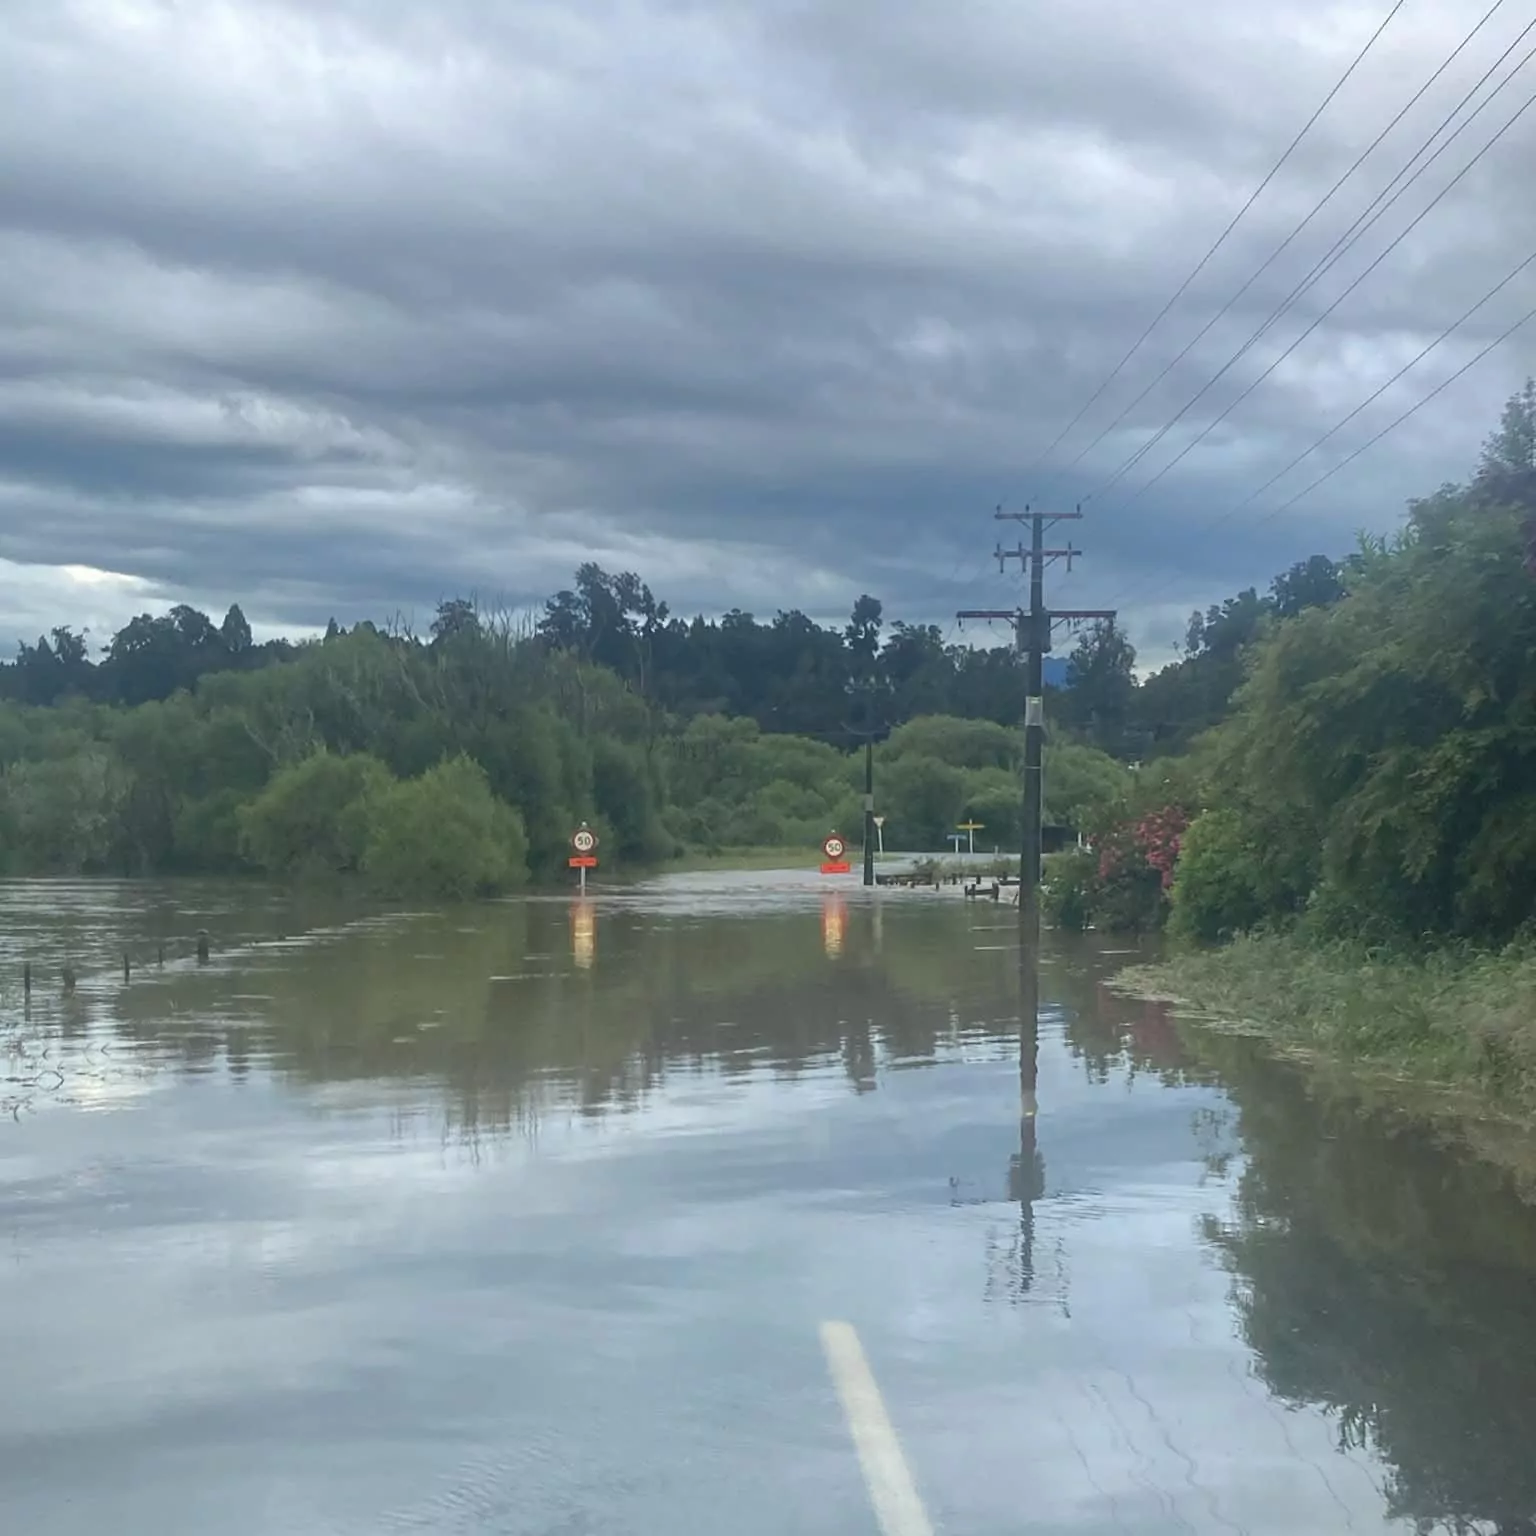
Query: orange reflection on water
(834, 920)
(583, 934)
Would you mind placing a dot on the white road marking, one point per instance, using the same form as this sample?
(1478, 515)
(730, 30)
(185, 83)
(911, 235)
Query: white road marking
(891, 1489)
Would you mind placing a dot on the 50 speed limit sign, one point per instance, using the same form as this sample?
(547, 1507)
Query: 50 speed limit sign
(584, 841)
(834, 848)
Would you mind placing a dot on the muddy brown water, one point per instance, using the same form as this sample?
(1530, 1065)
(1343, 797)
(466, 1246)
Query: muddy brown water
(525, 1218)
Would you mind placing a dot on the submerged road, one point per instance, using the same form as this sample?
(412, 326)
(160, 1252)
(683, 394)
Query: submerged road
(715, 1204)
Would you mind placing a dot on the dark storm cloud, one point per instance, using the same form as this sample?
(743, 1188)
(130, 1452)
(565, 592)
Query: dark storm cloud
(339, 307)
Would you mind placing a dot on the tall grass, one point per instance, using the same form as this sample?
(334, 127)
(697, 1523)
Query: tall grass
(1458, 1017)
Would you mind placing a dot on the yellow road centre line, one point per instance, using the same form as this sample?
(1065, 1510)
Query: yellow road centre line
(891, 1489)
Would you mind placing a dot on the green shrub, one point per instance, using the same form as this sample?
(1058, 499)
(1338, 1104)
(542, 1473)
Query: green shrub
(1084, 788)
(1218, 883)
(923, 798)
(1130, 900)
(1136, 860)
(957, 742)
(312, 818)
(444, 834)
(1069, 889)
(627, 801)
(206, 831)
(60, 816)
(708, 824)
(992, 797)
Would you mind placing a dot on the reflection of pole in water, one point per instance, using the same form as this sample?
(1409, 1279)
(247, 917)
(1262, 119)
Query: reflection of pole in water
(1026, 1170)
(583, 934)
(834, 920)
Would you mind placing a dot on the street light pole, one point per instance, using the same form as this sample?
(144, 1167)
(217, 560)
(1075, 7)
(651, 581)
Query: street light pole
(869, 809)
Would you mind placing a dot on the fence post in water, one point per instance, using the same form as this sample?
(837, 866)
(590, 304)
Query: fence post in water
(67, 976)
(26, 979)
(127, 969)
(160, 955)
(202, 946)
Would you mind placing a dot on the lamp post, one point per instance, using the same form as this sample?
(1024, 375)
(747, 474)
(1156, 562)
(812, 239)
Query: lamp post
(867, 688)
(870, 830)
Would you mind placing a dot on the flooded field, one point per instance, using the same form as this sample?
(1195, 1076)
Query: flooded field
(531, 1218)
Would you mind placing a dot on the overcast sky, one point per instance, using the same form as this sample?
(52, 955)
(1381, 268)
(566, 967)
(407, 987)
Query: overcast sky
(344, 306)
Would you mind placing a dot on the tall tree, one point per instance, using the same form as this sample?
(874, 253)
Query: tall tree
(235, 633)
(1313, 583)
(1101, 685)
(1507, 471)
(1511, 451)
(919, 670)
(455, 619)
(862, 635)
(613, 621)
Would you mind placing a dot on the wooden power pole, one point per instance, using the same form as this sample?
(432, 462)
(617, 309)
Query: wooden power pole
(869, 731)
(1033, 628)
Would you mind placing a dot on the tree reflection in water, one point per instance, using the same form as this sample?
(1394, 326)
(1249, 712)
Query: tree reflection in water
(1392, 1283)
(1376, 1274)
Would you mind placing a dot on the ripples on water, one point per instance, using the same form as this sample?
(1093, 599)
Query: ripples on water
(523, 1218)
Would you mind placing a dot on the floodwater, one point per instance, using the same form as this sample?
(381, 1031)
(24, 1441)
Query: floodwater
(531, 1217)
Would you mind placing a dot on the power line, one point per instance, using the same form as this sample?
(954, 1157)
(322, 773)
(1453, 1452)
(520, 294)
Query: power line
(1350, 237)
(1396, 422)
(1412, 410)
(1317, 208)
(1200, 437)
(1370, 400)
(1221, 239)
(1377, 393)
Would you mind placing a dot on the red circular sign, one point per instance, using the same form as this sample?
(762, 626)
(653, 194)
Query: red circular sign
(834, 848)
(584, 841)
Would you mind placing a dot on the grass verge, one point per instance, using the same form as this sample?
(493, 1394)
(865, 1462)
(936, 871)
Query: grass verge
(1458, 1020)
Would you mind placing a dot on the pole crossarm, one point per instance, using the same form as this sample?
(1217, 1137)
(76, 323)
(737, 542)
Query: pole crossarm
(1019, 553)
(1024, 517)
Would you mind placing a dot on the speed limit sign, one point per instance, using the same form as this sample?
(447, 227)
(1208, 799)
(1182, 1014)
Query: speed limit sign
(584, 841)
(834, 848)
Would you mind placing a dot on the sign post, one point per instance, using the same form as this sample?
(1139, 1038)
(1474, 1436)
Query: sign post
(971, 828)
(880, 834)
(833, 849)
(584, 842)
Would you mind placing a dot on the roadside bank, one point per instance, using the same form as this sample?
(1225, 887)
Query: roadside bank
(1450, 1036)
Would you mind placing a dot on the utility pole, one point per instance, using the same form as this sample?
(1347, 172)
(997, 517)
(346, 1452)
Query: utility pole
(869, 809)
(870, 731)
(1033, 628)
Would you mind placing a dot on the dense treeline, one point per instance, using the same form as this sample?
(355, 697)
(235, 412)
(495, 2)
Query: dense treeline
(790, 675)
(188, 748)
(1374, 773)
(1378, 774)
(460, 763)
